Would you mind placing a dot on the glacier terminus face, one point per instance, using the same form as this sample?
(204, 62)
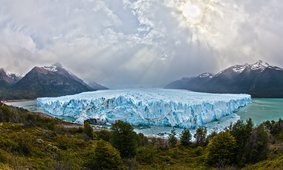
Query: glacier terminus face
(153, 107)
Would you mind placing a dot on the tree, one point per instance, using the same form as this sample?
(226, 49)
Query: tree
(186, 137)
(105, 157)
(124, 139)
(242, 132)
(172, 140)
(221, 150)
(257, 145)
(274, 127)
(104, 135)
(211, 136)
(200, 136)
(88, 130)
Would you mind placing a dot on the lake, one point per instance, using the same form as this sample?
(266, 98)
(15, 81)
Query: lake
(261, 110)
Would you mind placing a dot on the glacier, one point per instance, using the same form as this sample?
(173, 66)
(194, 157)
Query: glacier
(152, 107)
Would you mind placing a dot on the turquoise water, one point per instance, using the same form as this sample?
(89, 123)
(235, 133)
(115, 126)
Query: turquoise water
(262, 110)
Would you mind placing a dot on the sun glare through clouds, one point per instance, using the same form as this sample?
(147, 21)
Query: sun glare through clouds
(192, 13)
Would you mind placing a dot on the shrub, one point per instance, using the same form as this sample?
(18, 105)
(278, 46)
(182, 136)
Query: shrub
(24, 147)
(172, 140)
(221, 150)
(186, 137)
(105, 157)
(104, 135)
(88, 130)
(3, 156)
(145, 155)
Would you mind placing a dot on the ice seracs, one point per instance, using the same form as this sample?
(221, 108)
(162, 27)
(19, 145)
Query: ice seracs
(156, 107)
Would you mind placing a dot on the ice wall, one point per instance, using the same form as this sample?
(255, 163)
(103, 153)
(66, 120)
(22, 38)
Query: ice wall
(157, 107)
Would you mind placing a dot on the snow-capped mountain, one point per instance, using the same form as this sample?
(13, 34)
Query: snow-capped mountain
(205, 75)
(46, 81)
(259, 79)
(258, 66)
(7, 79)
(51, 81)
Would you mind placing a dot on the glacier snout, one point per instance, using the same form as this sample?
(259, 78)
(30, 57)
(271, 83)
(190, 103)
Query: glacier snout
(156, 107)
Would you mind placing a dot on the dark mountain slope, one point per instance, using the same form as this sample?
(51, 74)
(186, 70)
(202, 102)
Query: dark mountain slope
(259, 80)
(48, 81)
(7, 79)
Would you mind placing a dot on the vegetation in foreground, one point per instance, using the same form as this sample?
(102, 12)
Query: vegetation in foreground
(29, 141)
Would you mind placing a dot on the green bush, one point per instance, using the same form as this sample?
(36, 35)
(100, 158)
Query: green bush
(145, 155)
(221, 150)
(104, 135)
(24, 147)
(3, 156)
(7, 144)
(198, 151)
(88, 130)
(104, 157)
(69, 142)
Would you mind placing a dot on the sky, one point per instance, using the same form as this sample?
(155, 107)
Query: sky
(139, 43)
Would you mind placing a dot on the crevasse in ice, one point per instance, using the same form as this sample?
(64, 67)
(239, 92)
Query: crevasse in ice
(155, 107)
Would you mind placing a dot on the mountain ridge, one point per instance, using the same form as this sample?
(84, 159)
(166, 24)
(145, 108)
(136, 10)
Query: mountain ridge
(7, 79)
(259, 80)
(46, 81)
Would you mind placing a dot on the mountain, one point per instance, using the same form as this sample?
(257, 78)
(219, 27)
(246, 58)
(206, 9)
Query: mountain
(7, 79)
(259, 79)
(193, 83)
(47, 81)
(97, 86)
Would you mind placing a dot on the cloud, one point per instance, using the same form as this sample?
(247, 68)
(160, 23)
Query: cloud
(138, 43)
